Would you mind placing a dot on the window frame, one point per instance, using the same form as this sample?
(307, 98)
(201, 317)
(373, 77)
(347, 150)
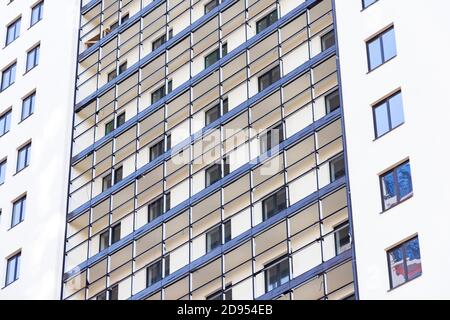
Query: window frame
(8, 69)
(36, 52)
(324, 37)
(276, 263)
(271, 77)
(266, 18)
(14, 23)
(3, 167)
(31, 107)
(23, 204)
(16, 259)
(6, 117)
(27, 148)
(403, 246)
(208, 9)
(265, 215)
(379, 37)
(393, 171)
(379, 104)
(40, 7)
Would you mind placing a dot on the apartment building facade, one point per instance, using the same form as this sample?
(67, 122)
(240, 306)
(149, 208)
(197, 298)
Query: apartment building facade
(38, 41)
(247, 149)
(208, 154)
(392, 125)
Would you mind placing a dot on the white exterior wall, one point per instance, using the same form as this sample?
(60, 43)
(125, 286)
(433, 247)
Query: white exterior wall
(420, 70)
(40, 237)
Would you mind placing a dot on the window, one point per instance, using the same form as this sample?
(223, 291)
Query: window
(118, 175)
(367, 3)
(111, 294)
(12, 269)
(108, 182)
(337, 168)
(213, 174)
(332, 102)
(114, 73)
(156, 150)
(276, 273)
(274, 204)
(404, 263)
(267, 21)
(381, 49)
(123, 67)
(5, 122)
(105, 236)
(28, 106)
(109, 126)
(328, 40)
(214, 113)
(226, 294)
(388, 115)
(8, 76)
(214, 236)
(396, 186)
(342, 238)
(269, 78)
(104, 240)
(2, 171)
(18, 213)
(124, 18)
(158, 94)
(33, 58)
(155, 271)
(211, 5)
(156, 208)
(273, 137)
(13, 31)
(158, 42)
(23, 157)
(120, 120)
(37, 13)
(212, 58)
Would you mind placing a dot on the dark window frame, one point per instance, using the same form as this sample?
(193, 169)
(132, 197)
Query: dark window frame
(339, 157)
(325, 37)
(342, 226)
(208, 8)
(40, 7)
(396, 186)
(388, 106)
(11, 70)
(23, 204)
(6, 119)
(29, 102)
(276, 263)
(268, 19)
(403, 246)
(379, 37)
(34, 53)
(27, 149)
(274, 195)
(3, 167)
(16, 259)
(16, 24)
(272, 76)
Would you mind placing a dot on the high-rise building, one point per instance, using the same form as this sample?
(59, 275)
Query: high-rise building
(230, 149)
(208, 153)
(38, 49)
